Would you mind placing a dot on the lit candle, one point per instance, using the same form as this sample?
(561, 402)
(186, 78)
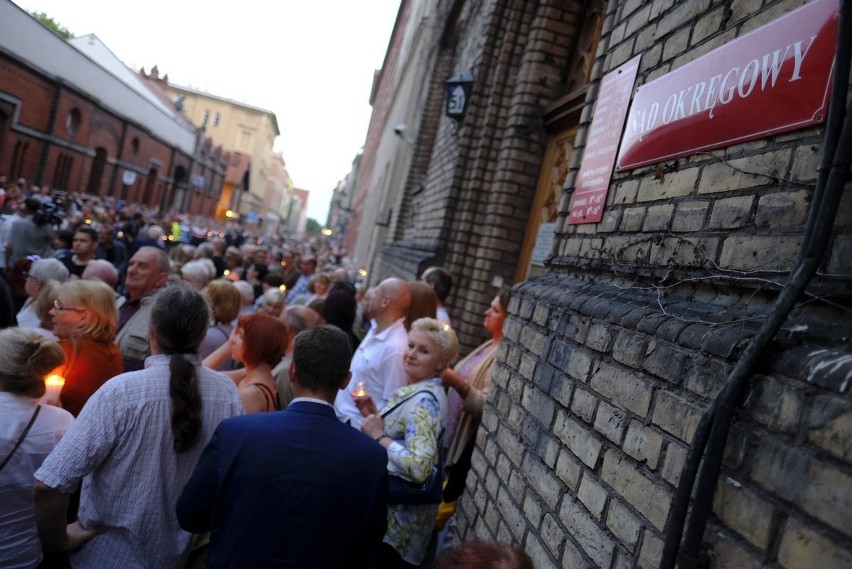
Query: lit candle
(360, 390)
(54, 383)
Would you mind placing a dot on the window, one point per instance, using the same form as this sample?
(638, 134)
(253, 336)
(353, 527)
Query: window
(72, 121)
(205, 118)
(216, 119)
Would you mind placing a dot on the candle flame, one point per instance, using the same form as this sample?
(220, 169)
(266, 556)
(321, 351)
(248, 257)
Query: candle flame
(54, 380)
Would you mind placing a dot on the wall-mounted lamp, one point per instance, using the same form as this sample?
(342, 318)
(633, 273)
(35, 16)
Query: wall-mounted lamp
(458, 94)
(399, 130)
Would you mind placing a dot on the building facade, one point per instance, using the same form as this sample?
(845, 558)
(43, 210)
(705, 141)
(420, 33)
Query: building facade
(249, 130)
(74, 118)
(641, 341)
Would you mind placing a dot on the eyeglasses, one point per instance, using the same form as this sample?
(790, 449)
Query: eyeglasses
(57, 306)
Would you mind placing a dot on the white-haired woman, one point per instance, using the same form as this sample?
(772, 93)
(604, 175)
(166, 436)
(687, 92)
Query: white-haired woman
(410, 428)
(40, 273)
(28, 432)
(198, 273)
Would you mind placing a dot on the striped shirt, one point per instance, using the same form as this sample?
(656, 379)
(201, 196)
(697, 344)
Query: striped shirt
(121, 448)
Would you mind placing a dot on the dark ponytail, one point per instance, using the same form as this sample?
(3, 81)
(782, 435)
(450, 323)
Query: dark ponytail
(179, 323)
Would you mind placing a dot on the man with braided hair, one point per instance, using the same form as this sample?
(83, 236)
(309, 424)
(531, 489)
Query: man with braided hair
(134, 446)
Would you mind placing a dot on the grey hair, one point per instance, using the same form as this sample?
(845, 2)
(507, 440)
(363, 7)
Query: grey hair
(44, 270)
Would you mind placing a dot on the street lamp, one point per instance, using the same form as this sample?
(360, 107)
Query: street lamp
(458, 94)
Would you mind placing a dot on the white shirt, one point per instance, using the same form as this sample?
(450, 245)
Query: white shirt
(443, 315)
(378, 363)
(121, 447)
(19, 543)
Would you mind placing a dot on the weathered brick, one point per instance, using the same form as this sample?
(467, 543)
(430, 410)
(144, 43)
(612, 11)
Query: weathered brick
(676, 44)
(673, 463)
(675, 184)
(658, 218)
(568, 469)
(782, 210)
(676, 416)
(828, 495)
(541, 313)
(583, 442)
(643, 444)
(623, 524)
(649, 499)
(584, 529)
(840, 255)
(665, 361)
(651, 552)
(776, 405)
(632, 219)
(527, 366)
(780, 469)
(584, 405)
(560, 354)
(533, 340)
(707, 25)
(512, 516)
(592, 495)
(599, 338)
(508, 443)
(623, 387)
(743, 512)
(805, 163)
(728, 552)
(581, 366)
(730, 175)
(561, 388)
(750, 252)
(829, 425)
(803, 548)
(690, 216)
(539, 405)
(573, 558)
(610, 422)
(629, 348)
(552, 533)
(625, 192)
(544, 375)
(729, 213)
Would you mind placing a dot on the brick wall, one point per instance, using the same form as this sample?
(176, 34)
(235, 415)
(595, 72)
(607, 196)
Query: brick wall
(611, 357)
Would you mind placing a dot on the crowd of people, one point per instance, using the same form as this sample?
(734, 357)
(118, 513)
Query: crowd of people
(175, 393)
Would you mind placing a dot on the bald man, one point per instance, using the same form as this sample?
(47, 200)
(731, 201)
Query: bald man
(378, 360)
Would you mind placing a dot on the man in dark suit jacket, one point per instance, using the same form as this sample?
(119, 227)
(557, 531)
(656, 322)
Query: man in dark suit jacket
(295, 488)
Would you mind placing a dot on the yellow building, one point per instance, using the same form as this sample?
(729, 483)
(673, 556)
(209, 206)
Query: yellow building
(238, 127)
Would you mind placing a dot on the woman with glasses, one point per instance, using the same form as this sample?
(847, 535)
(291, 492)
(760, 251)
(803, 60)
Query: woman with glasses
(85, 320)
(40, 274)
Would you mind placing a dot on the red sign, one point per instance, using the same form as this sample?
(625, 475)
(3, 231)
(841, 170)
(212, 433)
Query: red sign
(590, 191)
(774, 79)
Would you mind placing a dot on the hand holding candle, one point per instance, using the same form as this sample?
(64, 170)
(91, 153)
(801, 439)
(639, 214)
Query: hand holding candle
(54, 384)
(360, 390)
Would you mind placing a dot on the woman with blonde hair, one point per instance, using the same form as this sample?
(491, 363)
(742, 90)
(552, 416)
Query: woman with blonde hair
(85, 319)
(28, 432)
(410, 428)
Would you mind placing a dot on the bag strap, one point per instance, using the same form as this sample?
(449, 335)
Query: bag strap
(267, 394)
(23, 435)
(392, 409)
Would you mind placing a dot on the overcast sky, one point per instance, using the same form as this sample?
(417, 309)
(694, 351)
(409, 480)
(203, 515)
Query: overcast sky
(310, 62)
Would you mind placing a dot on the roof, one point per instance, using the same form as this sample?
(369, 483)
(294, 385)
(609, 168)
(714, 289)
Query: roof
(88, 66)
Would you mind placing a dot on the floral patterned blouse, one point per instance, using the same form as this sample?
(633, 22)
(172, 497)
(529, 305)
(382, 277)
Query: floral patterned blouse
(415, 427)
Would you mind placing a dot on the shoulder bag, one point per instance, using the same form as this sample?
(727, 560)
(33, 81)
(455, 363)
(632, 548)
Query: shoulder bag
(401, 491)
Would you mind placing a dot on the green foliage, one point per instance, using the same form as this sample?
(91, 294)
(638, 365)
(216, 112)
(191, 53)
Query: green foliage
(312, 226)
(52, 25)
